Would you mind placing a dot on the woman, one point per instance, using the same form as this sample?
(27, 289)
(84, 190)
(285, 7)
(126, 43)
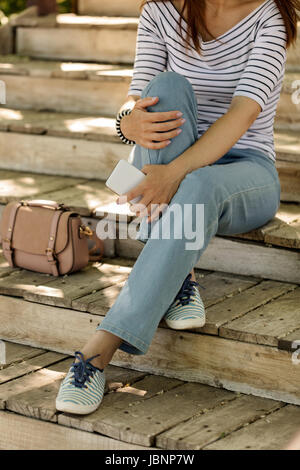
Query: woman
(200, 110)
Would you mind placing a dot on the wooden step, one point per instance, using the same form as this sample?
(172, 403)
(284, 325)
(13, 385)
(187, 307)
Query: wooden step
(59, 144)
(99, 88)
(293, 57)
(260, 252)
(247, 319)
(35, 141)
(71, 37)
(109, 8)
(44, 37)
(138, 411)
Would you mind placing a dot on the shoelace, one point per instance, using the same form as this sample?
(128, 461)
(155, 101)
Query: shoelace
(186, 291)
(83, 370)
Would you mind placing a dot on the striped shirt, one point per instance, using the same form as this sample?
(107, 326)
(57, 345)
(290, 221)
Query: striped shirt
(248, 60)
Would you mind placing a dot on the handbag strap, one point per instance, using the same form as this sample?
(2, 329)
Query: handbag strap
(45, 204)
(98, 246)
(51, 256)
(6, 242)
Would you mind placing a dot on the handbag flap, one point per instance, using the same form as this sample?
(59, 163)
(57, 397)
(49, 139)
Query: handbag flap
(32, 227)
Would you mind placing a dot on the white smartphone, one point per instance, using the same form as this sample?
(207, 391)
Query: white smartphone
(125, 177)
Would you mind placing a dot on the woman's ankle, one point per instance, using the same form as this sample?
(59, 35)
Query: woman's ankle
(101, 346)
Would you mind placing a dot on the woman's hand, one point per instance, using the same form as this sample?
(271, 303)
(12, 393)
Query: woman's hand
(145, 127)
(157, 189)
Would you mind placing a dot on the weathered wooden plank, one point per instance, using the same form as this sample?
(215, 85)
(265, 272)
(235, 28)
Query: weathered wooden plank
(289, 181)
(282, 230)
(39, 400)
(238, 305)
(99, 302)
(291, 341)
(248, 258)
(118, 403)
(216, 423)
(266, 324)
(236, 257)
(21, 281)
(84, 197)
(73, 126)
(142, 423)
(285, 235)
(5, 269)
(217, 287)
(108, 8)
(115, 46)
(64, 290)
(18, 65)
(38, 153)
(51, 328)
(118, 377)
(29, 365)
(20, 385)
(287, 144)
(13, 353)
(70, 20)
(35, 397)
(60, 92)
(6, 39)
(245, 367)
(277, 429)
(19, 185)
(21, 433)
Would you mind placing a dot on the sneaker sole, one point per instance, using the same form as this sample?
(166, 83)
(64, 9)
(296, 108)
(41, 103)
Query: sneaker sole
(185, 324)
(68, 407)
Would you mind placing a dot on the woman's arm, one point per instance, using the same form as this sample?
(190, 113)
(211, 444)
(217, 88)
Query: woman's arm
(149, 130)
(163, 181)
(219, 138)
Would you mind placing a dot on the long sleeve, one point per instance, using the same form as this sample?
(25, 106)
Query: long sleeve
(265, 68)
(151, 52)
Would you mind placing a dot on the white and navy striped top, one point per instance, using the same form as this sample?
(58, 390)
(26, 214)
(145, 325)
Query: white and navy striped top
(249, 61)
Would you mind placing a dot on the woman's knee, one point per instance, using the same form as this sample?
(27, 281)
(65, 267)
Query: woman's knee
(169, 81)
(171, 88)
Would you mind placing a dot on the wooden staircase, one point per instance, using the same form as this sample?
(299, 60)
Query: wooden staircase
(68, 78)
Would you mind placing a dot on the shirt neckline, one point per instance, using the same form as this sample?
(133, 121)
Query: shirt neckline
(245, 19)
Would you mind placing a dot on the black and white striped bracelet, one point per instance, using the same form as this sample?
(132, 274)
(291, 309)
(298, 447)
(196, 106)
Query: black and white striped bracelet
(123, 113)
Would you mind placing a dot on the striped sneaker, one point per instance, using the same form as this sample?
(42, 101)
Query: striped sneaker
(82, 389)
(187, 310)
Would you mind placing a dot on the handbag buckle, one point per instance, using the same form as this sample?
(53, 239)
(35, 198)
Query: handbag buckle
(84, 230)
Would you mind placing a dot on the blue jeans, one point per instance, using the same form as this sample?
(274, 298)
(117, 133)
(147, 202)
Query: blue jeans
(240, 192)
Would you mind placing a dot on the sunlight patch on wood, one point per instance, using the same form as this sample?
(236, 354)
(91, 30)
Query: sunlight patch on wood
(11, 114)
(133, 391)
(88, 124)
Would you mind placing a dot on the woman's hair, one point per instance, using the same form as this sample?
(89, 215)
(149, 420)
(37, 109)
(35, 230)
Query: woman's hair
(289, 10)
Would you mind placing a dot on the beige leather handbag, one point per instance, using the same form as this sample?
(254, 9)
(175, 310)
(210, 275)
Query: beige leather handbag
(46, 237)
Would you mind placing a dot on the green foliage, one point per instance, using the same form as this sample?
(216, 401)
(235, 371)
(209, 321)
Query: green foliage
(15, 6)
(64, 6)
(12, 6)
